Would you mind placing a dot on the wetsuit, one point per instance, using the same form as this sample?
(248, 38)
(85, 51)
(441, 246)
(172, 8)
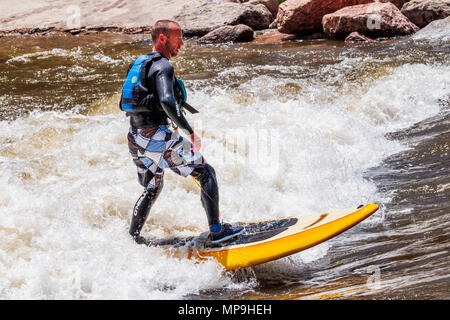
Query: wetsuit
(154, 147)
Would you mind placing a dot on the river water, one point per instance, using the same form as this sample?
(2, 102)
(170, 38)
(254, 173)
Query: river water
(291, 129)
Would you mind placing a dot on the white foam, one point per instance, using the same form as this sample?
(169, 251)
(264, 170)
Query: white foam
(58, 52)
(68, 185)
(105, 59)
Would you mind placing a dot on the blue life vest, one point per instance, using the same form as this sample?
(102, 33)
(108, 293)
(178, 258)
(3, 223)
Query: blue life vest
(181, 96)
(135, 95)
(179, 86)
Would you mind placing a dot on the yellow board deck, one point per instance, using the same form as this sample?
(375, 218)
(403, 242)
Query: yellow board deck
(269, 240)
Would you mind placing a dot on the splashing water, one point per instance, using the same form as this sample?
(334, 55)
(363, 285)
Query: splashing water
(292, 129)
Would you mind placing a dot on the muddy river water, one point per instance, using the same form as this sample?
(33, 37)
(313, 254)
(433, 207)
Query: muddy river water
(345, 125)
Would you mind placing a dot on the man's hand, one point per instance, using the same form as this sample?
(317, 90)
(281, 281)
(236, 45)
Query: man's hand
(196, 142)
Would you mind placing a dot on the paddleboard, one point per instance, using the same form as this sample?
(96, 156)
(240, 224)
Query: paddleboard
(267, 240)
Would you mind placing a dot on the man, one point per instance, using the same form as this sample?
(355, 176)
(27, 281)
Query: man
(151, 95)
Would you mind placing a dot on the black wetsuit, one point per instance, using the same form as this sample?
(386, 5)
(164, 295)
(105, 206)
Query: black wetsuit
(161, 81)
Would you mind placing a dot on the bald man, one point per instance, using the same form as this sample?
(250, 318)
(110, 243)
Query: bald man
(151, 96)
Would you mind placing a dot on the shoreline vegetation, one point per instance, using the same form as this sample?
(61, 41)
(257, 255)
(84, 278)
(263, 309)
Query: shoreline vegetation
(221, 21)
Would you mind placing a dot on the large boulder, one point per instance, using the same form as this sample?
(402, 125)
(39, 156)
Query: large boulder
(422, 12)
(200, 20)
(398, 3)
(373, 19)
(238, 33)
(299, 16)
(436, 31)
(272, 5)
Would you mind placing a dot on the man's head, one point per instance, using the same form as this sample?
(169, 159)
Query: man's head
(167, 38)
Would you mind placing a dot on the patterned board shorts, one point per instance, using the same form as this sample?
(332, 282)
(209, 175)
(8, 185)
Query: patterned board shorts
(155, 149)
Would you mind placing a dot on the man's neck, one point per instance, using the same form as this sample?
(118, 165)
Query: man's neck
(162, 51)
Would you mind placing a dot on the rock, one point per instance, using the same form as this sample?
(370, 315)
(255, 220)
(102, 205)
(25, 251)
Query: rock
(275, 36)
(398, 3)
(298, 16)
(271, 37)
(34, 30)
(40, 30)
(272, 5)
(74, 32)
(135, 30)
(258, 17)
(436, 31)
(373, 19)
(202, 19)
(273, 25)
(422, 12)
(357, 37)
(238, 33)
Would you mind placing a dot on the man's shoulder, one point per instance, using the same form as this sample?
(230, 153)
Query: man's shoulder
(162, 63)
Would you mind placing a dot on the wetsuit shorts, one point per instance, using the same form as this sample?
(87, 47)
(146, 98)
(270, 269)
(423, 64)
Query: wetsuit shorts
(158, 148)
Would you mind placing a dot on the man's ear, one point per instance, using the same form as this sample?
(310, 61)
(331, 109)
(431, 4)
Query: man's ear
(162, 38)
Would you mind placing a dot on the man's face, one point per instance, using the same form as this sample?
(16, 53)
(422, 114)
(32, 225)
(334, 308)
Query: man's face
(174, 41)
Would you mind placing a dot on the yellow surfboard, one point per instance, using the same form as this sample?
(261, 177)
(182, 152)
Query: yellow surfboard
(268, 240)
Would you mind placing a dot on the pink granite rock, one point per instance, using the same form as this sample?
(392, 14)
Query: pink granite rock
(373, 19)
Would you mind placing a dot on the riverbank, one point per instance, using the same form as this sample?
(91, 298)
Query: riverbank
(75, 14)
(215, 21)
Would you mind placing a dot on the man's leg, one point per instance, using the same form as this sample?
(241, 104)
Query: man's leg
(149, 176)
(206, 176)
(141, 211)
(180, 159)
